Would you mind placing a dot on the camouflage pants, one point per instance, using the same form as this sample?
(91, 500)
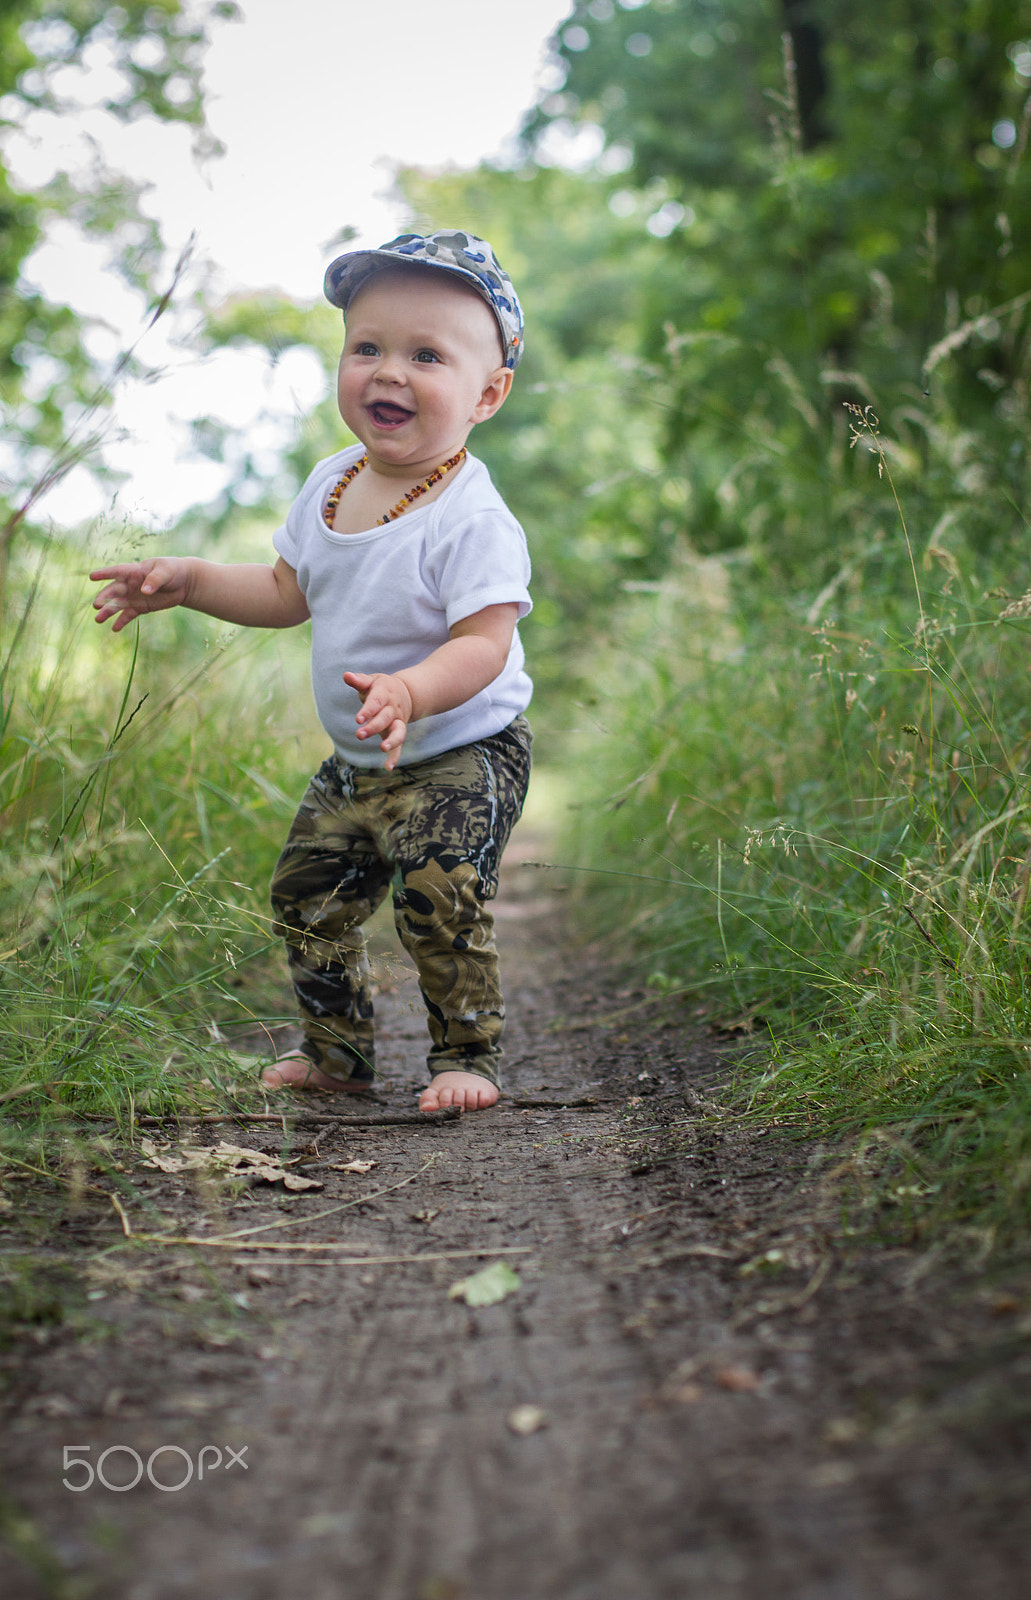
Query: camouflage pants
(434, 830)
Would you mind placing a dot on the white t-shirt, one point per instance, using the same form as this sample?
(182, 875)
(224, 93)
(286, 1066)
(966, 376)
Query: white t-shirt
(385, 599)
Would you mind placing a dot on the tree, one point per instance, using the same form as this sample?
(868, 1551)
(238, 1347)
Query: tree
(152, 51)
(841, 190)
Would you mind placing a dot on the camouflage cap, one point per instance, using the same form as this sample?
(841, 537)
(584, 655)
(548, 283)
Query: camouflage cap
(461, 254)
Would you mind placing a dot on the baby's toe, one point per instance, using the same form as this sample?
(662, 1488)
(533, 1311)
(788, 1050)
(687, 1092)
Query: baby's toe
(297, 1071)
(465, 1089)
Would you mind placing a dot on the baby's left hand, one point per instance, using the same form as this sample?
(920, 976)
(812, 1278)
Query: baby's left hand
(386, 709)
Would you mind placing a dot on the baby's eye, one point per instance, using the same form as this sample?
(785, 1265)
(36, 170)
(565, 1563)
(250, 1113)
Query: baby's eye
(366, 349)
(427, 355)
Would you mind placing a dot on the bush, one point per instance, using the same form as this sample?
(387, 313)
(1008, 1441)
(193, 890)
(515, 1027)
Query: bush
(821, 817)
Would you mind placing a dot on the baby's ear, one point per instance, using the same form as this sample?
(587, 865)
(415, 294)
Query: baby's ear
(495, 393)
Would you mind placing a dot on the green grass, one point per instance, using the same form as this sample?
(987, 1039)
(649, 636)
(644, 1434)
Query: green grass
(145, 786)
(820, 818)
(800, 795)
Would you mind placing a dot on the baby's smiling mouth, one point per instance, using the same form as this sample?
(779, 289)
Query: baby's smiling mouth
(385, 414)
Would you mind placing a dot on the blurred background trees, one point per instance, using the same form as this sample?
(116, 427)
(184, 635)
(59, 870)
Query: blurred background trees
(138, 59)
(732, 219)
(840, 189)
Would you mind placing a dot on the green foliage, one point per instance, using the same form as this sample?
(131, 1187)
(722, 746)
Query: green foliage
(842, 209)
(272, 324)
(163, 77)
(143, 806)
(803, 782)
(824, 822)
(155, 52)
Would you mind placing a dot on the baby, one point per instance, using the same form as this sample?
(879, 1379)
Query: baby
(414, 575)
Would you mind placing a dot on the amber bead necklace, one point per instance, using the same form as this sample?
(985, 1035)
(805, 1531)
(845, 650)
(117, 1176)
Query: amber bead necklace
(408, 499)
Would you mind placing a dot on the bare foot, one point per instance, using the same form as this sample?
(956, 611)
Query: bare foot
(296, 1071)
(465, 1089)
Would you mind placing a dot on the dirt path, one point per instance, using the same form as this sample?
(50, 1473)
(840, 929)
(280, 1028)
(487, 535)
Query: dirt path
(724, 1403)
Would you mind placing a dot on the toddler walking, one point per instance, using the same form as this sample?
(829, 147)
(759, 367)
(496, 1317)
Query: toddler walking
(414, 575)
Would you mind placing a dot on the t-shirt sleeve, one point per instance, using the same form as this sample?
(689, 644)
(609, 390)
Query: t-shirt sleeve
(286, 540)
(481, 560)
(289, 539)
(285, 545)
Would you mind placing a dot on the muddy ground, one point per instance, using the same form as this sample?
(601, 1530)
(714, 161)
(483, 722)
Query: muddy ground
(700, 1388)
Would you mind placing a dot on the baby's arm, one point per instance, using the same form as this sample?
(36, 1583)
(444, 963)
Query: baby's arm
(252, 596)
(474, 655)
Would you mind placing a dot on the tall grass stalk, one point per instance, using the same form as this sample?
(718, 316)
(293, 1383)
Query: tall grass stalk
(142, 807)
(839, 775)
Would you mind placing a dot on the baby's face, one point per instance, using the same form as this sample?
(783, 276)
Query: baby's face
(421, 366)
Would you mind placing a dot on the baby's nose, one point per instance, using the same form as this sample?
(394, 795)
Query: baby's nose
(388, 369)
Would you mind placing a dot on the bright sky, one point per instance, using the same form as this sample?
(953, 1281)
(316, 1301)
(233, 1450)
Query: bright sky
(316, 104)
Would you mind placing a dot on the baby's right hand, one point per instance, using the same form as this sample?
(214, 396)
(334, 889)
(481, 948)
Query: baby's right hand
(140, 586)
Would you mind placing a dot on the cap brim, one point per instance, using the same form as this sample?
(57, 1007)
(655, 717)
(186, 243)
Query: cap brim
(345, 275)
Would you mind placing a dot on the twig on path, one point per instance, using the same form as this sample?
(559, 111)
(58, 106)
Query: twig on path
(25, 1088)
(227, 1239)
(126, 1226)
(688, 1200)
(56, 1177)
(790, 1302)
(684, 1251)
(699, 1102)
(587, 1103)
(230, 1243)
(379, 1261)
(396, 1119)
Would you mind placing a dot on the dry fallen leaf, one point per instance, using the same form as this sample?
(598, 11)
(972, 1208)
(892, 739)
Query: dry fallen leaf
(740, 1380)
(53, 1405)
(162, 1157)
(424, 1216)
(525, 1420)
(486, 1287)
(843, 1430)
(236, 1160)
(743, 1024)
(352, 1166)
(290, 1180)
